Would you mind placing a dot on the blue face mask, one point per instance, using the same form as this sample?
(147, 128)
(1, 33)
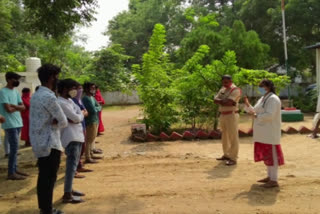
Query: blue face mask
(262, 91)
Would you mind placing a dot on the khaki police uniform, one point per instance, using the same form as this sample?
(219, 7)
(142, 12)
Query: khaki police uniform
(229, 119)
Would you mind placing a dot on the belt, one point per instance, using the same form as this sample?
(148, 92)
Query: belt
(229, 112)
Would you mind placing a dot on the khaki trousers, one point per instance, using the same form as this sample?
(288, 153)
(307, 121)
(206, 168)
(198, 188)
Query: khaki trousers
(230, 135)
(91, 134)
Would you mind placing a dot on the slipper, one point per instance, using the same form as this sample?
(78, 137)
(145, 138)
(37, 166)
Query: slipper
(97, 151)
(72, 200)
(77, 193)
(79, 176)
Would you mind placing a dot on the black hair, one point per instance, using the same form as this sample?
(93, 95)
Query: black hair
(269, 84)
(87, 86)
(226, 77)
(25, 90)
(66, 84)
(46, 71)
(12, 75)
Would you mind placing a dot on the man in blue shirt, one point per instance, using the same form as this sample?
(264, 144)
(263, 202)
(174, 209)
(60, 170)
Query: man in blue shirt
(10, 107)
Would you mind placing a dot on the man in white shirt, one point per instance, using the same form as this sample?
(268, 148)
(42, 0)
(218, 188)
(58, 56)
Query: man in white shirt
(46, 120)
(316, 121)
(72, 136)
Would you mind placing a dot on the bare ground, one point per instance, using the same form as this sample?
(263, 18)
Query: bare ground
(175, 177)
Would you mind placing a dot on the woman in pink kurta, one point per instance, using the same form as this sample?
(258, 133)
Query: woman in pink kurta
(101, 101)
(25, 116)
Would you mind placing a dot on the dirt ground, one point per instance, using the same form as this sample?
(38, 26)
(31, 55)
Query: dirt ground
(175, 177)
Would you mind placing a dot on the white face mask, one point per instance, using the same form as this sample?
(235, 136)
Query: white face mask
(73, 93)
(93, 92)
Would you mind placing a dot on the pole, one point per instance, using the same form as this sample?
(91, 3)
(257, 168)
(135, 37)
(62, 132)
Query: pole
(285, 45)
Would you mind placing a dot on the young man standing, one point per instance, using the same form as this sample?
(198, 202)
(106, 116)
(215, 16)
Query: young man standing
(92, 121)
(228, 101)
(72, 136)
(46, 120)
(10, 107)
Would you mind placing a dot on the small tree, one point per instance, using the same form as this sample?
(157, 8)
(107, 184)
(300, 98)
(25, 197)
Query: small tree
(198, 84)
(155, 83)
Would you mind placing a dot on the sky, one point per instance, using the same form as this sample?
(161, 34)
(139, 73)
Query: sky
(107, 10)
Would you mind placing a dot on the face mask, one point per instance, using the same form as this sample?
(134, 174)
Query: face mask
(16, 83)
(73, 93)
(262, 91)
(93, 92)
(229, 85)
(79, 93)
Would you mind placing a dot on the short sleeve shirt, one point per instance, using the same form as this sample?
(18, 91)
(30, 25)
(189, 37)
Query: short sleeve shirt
(10, 96)
(233, 93)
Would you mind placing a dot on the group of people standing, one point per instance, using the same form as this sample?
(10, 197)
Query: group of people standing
(66, 116)
(266, 114)
(62, 115)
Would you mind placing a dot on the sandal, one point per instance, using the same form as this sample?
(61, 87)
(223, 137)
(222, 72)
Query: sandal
(312, 136)
(96, 157)
(77, 193)
(265, 180)
(22, 173)
(16, 177)
(270, 184)
(79, 176)
(90, 161)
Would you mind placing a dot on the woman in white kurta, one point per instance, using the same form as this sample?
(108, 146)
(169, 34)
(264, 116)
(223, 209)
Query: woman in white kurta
(267, 131)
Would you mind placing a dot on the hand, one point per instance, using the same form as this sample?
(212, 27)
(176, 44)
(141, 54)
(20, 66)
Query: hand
(246, 101)
(85, 113)
(2, 119)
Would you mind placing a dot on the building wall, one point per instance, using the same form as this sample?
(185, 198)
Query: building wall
(120, 98)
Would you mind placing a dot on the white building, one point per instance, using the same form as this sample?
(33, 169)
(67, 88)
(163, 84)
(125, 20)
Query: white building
(29, 78)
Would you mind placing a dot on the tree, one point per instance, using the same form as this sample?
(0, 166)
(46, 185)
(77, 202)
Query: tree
(155, 83)
(133, 29)
(59, 17)
(108, 69)
(252, 53)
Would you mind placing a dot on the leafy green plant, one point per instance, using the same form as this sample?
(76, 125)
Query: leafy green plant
(155, 83)
(306, 102)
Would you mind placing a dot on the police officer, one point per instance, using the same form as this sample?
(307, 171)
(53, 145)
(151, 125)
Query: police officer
(228, 100)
